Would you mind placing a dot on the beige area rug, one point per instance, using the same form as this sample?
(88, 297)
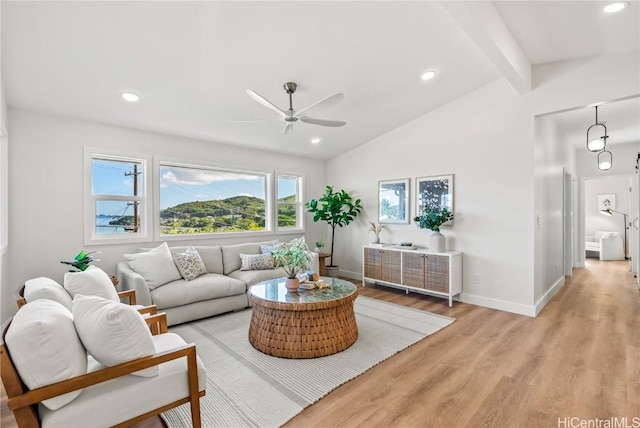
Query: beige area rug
(246, 388)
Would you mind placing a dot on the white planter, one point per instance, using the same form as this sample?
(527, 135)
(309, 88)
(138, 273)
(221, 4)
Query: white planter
(438, 242)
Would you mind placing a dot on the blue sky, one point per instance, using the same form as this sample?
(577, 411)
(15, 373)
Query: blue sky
(179, 185)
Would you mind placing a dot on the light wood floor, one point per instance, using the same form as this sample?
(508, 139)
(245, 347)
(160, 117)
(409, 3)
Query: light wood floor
(579, 358)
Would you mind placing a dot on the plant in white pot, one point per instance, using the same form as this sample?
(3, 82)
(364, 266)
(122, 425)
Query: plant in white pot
(293, 258)
(432, 218)
(337, 209)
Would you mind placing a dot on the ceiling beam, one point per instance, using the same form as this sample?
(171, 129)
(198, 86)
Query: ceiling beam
(484, 26)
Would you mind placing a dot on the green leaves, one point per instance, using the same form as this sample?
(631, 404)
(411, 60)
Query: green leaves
(336, 208)
(433, 217)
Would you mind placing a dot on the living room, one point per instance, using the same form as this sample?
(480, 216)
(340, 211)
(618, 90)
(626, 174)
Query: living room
(483, 128)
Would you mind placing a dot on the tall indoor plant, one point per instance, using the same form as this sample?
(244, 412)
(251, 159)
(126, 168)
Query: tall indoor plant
(337, 209)
(432, 217)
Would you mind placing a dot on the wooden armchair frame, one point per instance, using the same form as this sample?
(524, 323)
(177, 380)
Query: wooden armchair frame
(130, 295)
(23, 401)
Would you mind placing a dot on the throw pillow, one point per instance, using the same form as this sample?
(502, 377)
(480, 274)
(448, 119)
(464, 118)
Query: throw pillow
(91, 282)
(256, 261)
(46, 288)
(45, 348)
(156, 266)
(112, 332)
(268, 249)
(189, 263)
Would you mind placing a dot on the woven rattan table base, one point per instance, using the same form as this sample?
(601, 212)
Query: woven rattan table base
(309, 331)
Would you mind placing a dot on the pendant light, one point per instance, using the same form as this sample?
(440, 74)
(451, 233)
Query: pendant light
(605, 160)
(597, 136)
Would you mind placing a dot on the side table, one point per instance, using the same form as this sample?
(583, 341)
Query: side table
(322, 260)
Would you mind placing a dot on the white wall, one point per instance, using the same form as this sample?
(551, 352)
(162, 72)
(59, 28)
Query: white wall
(46, 196)
(486, 139)
(5, 295)
(551, 156)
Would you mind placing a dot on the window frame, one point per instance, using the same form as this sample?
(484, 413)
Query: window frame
(160, 162)
(90, 200)
(299, 228)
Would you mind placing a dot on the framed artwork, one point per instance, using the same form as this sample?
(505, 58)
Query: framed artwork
(606, 202)
(435, 191)
(393, 201)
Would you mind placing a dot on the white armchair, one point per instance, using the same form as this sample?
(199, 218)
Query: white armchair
(609, 245)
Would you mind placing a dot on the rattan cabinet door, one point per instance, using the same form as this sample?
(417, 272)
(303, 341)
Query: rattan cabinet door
(437, 273)
(390, 266)
(372, 263)
(413, 269)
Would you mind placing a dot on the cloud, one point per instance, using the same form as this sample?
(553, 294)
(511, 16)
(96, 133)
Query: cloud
(199, 177)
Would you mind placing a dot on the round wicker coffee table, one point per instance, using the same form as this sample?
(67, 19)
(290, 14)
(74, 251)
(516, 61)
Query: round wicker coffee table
(306, 324)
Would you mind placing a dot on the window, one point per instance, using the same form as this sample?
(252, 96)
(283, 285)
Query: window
(289, 202)
(205, 200)
(116, 205)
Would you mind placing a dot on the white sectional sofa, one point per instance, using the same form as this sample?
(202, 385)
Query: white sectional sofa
(222, 289)
(609, 245)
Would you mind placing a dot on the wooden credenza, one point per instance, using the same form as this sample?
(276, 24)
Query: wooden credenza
(438, 274)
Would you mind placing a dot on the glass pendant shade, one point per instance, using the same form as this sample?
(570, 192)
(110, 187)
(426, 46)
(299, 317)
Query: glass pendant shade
(597, 136)
(605, 160)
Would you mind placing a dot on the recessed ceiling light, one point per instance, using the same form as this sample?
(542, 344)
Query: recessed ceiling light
(428, 75)
(316, 140)
(131, 97)
(616, 7)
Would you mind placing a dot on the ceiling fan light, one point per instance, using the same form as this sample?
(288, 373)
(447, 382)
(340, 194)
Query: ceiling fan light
(605, 160)
(616, 7)
(428, 75)
(130, 97)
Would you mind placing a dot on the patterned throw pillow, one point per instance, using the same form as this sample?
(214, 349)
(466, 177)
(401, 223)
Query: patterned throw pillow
(189, 264)
(256, 261)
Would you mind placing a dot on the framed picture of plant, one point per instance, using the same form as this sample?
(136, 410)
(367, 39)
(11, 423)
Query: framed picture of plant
(393, 201)
(436, 192)
(606, 202)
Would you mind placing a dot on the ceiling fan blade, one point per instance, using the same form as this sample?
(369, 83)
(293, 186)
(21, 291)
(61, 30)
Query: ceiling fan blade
(322, 122)
(254, 121)
(327, 102)
(288, 128)
(262, 100)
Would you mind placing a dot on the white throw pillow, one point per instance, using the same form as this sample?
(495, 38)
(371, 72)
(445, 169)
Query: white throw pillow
(46, 288)
(156, 266)
(45, 348)
(112, 332)
(256, 261)
(189, 263)
(91, 282)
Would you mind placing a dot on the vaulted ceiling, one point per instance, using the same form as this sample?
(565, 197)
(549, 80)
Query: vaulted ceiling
(192, 62)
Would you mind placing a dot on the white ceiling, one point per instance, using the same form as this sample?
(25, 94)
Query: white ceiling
(191, 62)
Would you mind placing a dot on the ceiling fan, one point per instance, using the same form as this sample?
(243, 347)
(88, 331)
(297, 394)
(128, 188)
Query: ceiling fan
(291, 116)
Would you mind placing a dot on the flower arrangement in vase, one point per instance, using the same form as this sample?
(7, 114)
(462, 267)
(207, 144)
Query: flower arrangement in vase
(375, 229)
(432, 218)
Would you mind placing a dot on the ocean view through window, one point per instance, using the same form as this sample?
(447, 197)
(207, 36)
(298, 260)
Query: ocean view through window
(116, 206)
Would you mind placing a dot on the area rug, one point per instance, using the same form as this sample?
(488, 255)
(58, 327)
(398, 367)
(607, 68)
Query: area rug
(246, 388)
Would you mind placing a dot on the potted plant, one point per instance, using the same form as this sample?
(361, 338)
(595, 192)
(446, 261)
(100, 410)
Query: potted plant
(319, 245)
(432, 218)
(293, 258)
(337, 209)
(375, 229)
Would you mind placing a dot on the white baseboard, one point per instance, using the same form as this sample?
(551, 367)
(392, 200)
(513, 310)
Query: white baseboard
(501, 305)
(487, 302)
(549, 294)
